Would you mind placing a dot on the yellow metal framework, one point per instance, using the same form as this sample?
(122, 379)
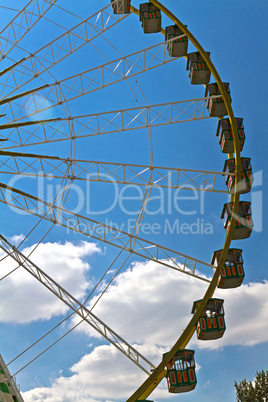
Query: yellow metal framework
(159, 373)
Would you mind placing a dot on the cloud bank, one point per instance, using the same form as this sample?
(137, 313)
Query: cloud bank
(26, 300)
(149, 306)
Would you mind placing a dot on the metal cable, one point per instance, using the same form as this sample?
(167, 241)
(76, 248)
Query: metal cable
(70, 315)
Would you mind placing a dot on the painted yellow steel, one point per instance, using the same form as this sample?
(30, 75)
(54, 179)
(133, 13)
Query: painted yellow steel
(159, 373)
(15, 190)
(27, 123)
(21, 94)
(26, 155)
(6, 70)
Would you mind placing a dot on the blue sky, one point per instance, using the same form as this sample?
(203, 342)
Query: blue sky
(148, 305)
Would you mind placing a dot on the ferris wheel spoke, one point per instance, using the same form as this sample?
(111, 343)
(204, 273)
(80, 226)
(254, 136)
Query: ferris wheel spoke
(16, 163)
(11, 380)
(24, 133)
(22, 23)
(43, 59)
(142, 209)
(85, 82)
(76, 306)
(99, 231)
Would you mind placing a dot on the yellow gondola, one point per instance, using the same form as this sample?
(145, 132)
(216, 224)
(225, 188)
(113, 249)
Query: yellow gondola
(199, 71)
(150, 17)
(244, 223)
(216, 106)
(246, 180)
(121, 6)
(232, 273)
(211, 324)
(225, 134)
(178, 47)
(181, 372)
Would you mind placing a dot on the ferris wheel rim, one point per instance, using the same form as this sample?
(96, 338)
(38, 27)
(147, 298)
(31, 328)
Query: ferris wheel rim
(154, 379)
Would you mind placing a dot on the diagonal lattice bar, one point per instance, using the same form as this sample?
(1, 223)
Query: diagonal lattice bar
(43, 131)
(71, 88)
(22, 23)
(10, 383)
(99, 231)
(76, 306)
(29, 165)
(49, 55)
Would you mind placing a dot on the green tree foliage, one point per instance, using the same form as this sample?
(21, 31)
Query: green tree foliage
(256, 391)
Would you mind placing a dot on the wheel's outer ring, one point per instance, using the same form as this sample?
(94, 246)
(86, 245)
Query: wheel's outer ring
(159, 373)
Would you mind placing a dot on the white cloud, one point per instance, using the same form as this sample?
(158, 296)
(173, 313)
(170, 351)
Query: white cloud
(35, 103)
(16, 239)
(246, 315)
(148, 303)
(28, 300)
(103, 375)
(152, 304)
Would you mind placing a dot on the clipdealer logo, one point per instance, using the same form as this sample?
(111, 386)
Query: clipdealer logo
(256, 198)
(169, 202)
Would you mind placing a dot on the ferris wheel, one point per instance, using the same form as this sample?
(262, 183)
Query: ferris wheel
(90, 109)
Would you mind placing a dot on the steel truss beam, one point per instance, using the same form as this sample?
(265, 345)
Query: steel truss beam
(10, 381)
(22, 23)
(71, 88)
(49, 55)
(99, 231)
(105, 172)
(43, 131)
(76, 306)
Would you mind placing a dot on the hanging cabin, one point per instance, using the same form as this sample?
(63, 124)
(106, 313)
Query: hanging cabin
(181, 372)
(216, 106)
(150, 17)
(244, 223)
(178, 47)
(211, 324)
(199, 72)
(246, 180)
(232, 273)
(224, 131)
(121, 6)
